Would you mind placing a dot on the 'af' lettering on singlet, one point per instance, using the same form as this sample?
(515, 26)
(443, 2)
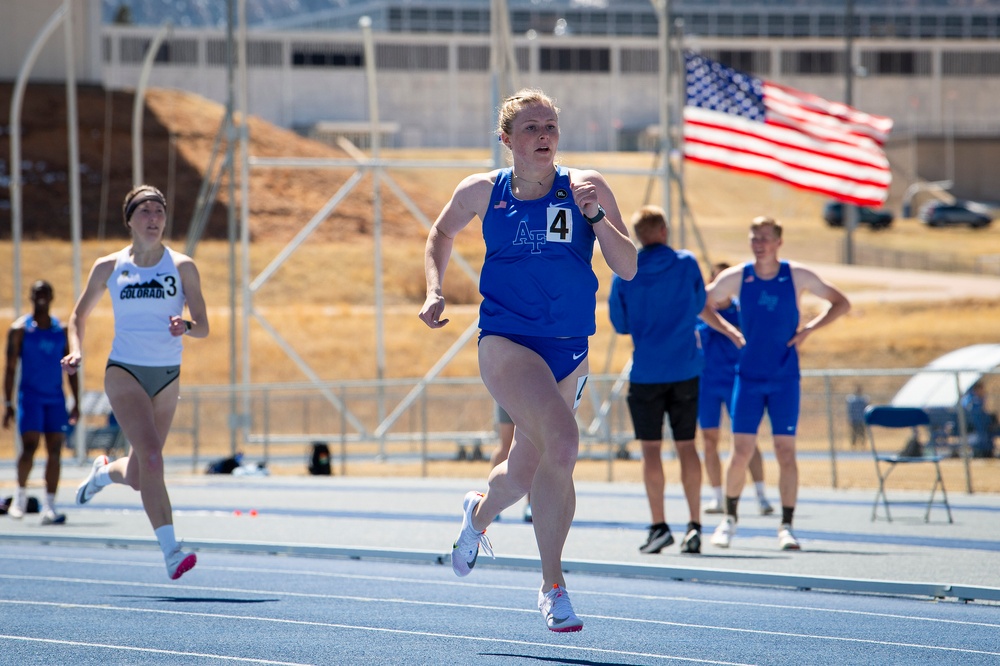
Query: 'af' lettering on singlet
(41, 350)
(537, 278)
(769, 318)
(144, 298)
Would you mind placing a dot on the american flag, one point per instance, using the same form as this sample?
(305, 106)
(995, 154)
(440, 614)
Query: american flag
(739, 122)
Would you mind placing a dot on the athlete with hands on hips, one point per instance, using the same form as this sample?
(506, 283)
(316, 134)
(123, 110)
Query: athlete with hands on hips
(540, 221)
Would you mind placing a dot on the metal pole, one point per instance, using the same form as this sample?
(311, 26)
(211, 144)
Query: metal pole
(231, 219)
(16, 100)
(850, 210)
(663, 17)
(373, 117)
(244, 419)
(137, 103)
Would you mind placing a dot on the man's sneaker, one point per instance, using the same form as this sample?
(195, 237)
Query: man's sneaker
(50, 517)
(179, 563)
(715, 506)
(658, 539)
(691, 542)
(558, 611)
(724, 533)
(466, 549)
(787, 540)
(18, 507)
(89, 488)
(527, 512)
(765, 507)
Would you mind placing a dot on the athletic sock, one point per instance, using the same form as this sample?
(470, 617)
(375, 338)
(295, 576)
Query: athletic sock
(50, 502)
(717, 492)
(165, 536)
(759, 485)
(731, 505)
(21, 495)
(786, 514)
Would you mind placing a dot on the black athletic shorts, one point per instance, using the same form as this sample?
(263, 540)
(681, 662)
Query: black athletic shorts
(678, 400)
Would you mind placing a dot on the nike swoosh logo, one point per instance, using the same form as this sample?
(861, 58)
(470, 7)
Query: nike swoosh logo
(171, 372)
(161, 274)
(577, 357)
(782, 279)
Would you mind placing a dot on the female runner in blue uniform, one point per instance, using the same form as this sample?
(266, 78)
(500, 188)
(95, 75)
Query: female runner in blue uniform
(540, 221)
(149, 285)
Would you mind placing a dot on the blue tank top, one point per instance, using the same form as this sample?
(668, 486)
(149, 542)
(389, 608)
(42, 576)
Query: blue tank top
(41, 351)
(537, 277)
(769, 318)
(721, 355)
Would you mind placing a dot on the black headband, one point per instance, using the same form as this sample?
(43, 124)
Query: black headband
(142, 198)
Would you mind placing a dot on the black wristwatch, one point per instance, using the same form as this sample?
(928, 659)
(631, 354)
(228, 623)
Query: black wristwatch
(597, 218)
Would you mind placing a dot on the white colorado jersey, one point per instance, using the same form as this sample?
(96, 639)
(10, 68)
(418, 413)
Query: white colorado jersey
(144, 299)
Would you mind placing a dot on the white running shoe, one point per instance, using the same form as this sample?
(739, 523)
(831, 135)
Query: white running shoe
(50, 517)
(465, 551)
(88, 488)
(787, 540)
(715, 506)
(558, 611)
(765, 507)
(18, 506)
(724, 533)
(179, 563)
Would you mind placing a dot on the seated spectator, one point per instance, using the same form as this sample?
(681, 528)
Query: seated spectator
(980, 424)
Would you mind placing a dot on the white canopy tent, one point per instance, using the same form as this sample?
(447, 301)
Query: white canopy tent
(944, 381)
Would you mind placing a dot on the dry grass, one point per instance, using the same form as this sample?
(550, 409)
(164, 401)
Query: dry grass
(321, 301)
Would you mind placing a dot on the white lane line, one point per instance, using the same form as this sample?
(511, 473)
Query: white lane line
(350, 627)
(577, 592)
(127, 648)
(482, 607)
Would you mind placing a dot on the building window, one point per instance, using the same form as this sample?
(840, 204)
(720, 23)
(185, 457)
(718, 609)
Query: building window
(896, 63)
(812, 62)
(411, 57)
(753, 62)
(259, 53)
(180, 51)
(327, 55)
(970, 63)
(574, 60)
(473, 58)
(640, 61)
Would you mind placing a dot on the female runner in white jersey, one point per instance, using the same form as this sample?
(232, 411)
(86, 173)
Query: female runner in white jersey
(149, 285)
(540, 222)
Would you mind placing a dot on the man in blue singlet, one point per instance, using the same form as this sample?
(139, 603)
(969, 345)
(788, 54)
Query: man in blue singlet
(767, 377)
(37, 342)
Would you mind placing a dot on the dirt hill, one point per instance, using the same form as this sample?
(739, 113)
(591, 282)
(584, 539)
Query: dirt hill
(179, 131)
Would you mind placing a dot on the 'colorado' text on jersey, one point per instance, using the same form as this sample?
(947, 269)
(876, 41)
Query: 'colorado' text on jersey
(144, 298)
(537, 278)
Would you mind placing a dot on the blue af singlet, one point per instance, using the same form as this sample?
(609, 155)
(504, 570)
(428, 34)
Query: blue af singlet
(144, 298)
(769, 318)
(41, 350)
(537, 279)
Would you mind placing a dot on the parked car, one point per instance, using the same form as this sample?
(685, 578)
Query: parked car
(833, 213)
(940, 214)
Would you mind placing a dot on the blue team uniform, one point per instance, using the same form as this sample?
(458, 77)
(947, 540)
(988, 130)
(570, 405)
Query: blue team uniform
(719, 373)
(666, 349)
(767, 376)
(41, 402)
(537, 283)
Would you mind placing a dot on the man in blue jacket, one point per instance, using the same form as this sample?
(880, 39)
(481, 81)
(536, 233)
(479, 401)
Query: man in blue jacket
(659, 308)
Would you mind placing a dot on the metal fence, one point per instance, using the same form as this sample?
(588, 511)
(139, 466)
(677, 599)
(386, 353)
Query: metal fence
(451, 421)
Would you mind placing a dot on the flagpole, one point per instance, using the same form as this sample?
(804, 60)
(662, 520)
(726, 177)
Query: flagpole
(663, 14)
(850, 210)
